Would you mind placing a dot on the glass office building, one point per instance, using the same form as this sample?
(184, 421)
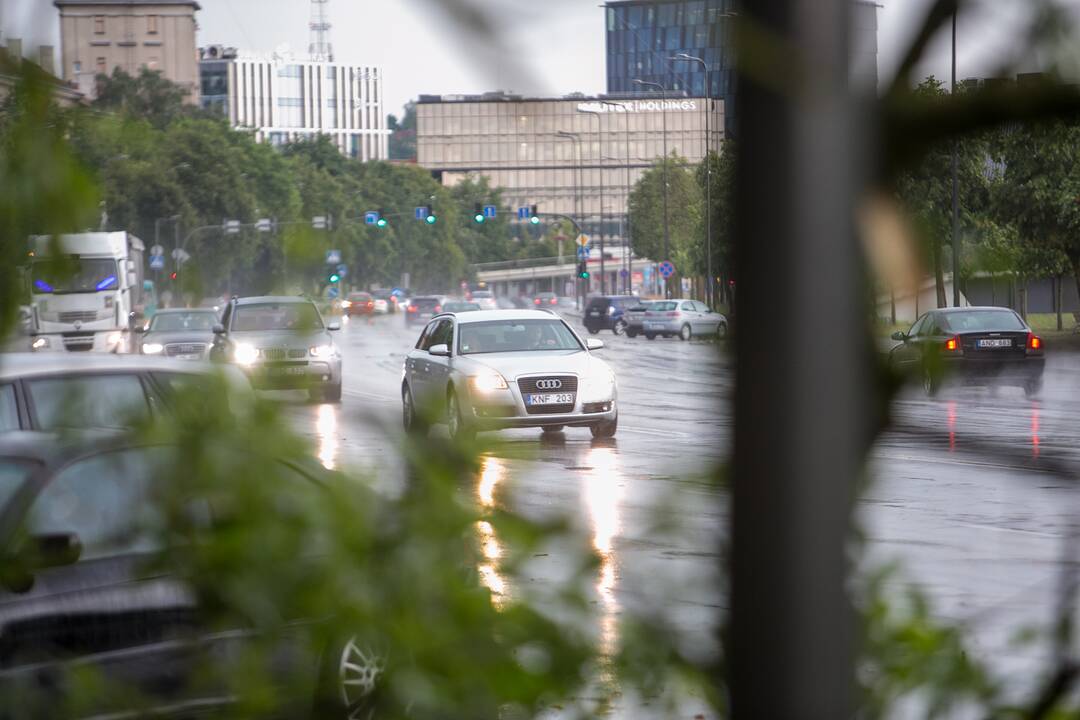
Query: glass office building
(643, 34)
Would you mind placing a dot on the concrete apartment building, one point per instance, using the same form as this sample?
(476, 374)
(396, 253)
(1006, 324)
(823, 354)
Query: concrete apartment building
(98, 36)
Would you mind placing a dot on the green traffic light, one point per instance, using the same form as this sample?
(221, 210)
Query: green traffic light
(334, 278)
(534, 220)
(381, 222)
(431, 219)
(479, 218)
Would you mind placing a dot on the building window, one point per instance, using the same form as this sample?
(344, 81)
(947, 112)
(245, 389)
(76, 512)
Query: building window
(102, 68)
(77, 67)
(151, 24)
(99, 24)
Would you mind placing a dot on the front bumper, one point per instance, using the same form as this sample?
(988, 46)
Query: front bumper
(505, 409)
(298, 375)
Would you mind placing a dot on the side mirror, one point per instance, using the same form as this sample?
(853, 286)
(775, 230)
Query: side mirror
(130, 265)
(219, 329)
(440, 350)
(131, 278)
(333, 325)
(52, 550)
(594, 344)
(899, 336)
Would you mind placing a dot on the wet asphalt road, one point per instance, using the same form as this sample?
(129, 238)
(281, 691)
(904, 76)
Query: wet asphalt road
(981, 534)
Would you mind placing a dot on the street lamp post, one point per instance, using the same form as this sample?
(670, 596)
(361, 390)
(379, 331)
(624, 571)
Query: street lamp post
(955, 193)
(626, 239)
(667, 232)
(709, 292)
(577, 196)
(600, 164)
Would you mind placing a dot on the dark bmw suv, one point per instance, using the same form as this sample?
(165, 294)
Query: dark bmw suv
(607, 312)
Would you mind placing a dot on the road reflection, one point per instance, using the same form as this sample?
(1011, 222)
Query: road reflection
(492, 472)
(950, 414)
(603, 497)
(326, 434)
(1035, 430)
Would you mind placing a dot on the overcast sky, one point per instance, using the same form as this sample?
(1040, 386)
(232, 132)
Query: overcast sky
(544, 46)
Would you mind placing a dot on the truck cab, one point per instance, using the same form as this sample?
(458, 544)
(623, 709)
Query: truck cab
(84, 288)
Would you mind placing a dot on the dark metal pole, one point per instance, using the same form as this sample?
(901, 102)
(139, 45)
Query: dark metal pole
(799, 423)
(955, 189)
(600, 166)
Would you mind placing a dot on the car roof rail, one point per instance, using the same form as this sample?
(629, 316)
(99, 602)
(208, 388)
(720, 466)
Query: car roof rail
(549, 311)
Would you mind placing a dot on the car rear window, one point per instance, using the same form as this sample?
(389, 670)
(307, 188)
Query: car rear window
(601, 303)
(88, 401)
(982, 321)
(426, 303)
(663, 306)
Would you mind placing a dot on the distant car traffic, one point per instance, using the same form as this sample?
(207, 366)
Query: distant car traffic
(683, 318)
(179, 333)
(605, 312)
(458, 306)
(382, 306)
(505, 303)
(635, 318)
(485, 299)
(974, 346)
(77, 595)
(359, 303)
(389, 301)
(496, 369)
(280, 343)
(94, 391)
(545, 300)
(421, 309)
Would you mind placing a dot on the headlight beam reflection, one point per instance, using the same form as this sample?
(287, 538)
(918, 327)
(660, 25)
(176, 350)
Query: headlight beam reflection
(492, 471)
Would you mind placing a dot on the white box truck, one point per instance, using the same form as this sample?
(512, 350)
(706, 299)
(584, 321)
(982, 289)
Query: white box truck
(83, 289)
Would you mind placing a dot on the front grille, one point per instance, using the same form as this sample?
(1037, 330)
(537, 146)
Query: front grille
(273, 354)
(79, 342)
(74, 316)
(185, 349)
(528, 387)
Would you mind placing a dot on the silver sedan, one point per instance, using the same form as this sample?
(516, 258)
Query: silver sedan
(494, 369)
(685, 318)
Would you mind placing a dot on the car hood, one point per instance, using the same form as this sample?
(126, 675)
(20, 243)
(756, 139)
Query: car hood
(202, 337)
(282, 339)
(513, 365)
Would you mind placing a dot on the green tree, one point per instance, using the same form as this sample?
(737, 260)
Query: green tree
(722, 165)
(685, 208)
(402, 144)
(148, 95)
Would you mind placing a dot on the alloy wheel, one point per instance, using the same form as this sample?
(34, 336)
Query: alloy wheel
(359, 669)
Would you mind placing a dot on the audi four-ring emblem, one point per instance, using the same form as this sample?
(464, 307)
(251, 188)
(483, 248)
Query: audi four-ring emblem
(552, 384)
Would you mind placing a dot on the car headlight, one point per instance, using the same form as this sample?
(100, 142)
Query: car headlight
(113, 338)
(611, 310)
(488, 382)
(40, 343)
(152, 348)
(346, 303)
(245, 354)
(321, 351)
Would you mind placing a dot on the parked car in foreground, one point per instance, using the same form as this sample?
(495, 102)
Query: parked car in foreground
(495, 369)
(683, 318)
(605, 312)
(95, 391)
(87, 584)
(281, 343)
(973, 346)
(179, 333)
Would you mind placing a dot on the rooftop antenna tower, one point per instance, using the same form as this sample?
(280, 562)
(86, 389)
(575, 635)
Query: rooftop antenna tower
(320, 48)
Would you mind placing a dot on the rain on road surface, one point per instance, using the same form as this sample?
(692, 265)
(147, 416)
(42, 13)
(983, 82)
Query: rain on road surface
(980, 534)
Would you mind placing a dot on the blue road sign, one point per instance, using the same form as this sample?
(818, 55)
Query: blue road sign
(371, 217)
(490, 211)
(523, 213)
(623, 272)
(333, 257)
(667, 269)
(582, 252)
(332, 292)
(157, 262)
(420, 213)
(342, 270)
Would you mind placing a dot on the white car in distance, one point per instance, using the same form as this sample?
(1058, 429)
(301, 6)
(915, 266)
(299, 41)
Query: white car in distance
(496, 369)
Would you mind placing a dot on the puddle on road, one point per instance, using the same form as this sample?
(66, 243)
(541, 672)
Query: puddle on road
(326, 435)
(603, 496)
(492, 471)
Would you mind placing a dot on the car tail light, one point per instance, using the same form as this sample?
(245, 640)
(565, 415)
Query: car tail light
(536, 301)
(953, 344)
(553, 300)
(438, 308)
(1034, 342)
(412, 308)
(673, 313)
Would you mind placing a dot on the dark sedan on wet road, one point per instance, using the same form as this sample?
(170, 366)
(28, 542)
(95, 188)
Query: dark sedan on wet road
(973, 346)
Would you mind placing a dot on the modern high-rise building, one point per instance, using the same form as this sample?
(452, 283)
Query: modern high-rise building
(98, 36)
(644, 35)
(284, 100)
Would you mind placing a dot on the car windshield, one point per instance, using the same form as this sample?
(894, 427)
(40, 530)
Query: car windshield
(982, 321)
(663, 306)
(277, 316)
(499, 336)
(75, 275)
(179, 322)
(13, 473)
